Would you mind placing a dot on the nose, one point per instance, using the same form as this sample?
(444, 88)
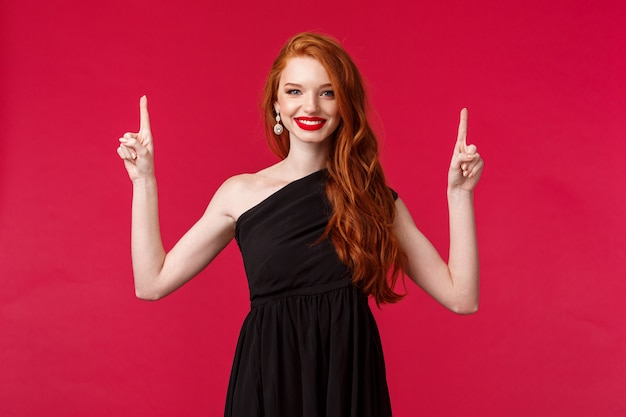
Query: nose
(311, 103)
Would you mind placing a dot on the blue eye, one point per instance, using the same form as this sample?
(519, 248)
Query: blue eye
(328, 93)
(293, 92)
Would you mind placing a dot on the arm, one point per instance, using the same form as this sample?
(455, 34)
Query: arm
(156, 272)
(454, 284)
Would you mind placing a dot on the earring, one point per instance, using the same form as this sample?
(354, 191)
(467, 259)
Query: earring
(278, 128)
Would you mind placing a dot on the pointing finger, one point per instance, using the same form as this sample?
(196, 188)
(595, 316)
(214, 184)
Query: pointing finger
(144, 117)
(461, 139)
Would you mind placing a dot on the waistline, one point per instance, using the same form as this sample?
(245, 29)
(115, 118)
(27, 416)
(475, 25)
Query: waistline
(295, 292)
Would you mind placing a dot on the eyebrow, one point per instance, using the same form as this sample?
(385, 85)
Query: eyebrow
(327, 85)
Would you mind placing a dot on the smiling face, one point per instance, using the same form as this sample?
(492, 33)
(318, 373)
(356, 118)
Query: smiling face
(306, 101)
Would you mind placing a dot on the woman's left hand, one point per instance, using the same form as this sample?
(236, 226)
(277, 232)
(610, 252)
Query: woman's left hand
(466, 165)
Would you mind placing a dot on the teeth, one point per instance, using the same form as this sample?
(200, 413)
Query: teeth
(310, 122)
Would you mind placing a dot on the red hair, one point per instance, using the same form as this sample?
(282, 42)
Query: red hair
(361, 227)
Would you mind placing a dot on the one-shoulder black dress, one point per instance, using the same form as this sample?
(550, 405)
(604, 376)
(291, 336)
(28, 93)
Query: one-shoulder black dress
(309, 346)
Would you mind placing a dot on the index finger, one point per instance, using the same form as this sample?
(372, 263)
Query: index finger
(461, 139)
(144, 117)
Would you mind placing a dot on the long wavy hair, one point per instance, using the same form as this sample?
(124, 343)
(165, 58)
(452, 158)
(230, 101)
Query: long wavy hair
(361, 227)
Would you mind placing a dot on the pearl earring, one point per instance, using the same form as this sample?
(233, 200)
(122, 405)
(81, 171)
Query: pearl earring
(278, 128)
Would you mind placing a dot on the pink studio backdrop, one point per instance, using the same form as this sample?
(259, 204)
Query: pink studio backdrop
(545, 86)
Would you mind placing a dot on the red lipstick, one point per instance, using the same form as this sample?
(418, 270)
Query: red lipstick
(310, 123)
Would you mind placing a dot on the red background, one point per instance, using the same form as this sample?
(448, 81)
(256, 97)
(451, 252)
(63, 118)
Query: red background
(543, 80)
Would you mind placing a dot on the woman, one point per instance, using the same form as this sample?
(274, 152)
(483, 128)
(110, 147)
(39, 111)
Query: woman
(318, 231)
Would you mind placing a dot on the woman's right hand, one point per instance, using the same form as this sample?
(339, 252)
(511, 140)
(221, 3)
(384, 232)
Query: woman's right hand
(136, 149)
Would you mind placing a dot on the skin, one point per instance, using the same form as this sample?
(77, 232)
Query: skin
(304, 91)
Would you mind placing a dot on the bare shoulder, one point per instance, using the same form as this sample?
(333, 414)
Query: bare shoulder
(236, 185)
(241, 192)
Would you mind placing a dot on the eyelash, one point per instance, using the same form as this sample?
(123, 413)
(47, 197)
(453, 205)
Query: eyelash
(326, 93)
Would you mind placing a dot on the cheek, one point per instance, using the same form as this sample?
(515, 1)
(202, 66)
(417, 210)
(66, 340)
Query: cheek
(334, 113)
(286, 107)
(332, 109)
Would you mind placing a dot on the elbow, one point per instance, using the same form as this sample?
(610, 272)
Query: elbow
(148, 288)
(146, 295)
(465, 308)
(465, 304)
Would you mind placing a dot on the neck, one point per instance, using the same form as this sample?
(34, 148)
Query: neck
(303, 160)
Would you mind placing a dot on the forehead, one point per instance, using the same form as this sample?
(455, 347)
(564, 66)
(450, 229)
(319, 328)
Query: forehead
(304, 70)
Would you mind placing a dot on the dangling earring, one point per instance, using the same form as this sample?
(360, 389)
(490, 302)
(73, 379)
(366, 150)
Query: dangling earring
(278, 128)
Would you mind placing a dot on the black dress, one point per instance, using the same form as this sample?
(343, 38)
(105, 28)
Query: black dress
(309, 346)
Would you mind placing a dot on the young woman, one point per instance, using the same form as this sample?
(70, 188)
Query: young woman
(319, 232)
